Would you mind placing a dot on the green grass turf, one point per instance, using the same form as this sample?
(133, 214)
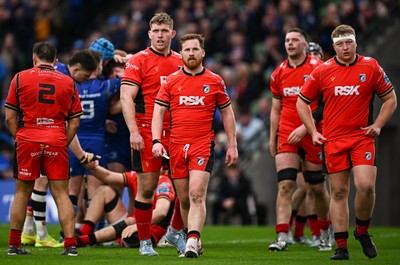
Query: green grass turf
(222, 245)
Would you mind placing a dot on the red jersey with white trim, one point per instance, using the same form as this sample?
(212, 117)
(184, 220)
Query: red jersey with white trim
(148, 69)
(44, 100)
(192, 101)
(348, 93)
(164, 186)
(286, 82)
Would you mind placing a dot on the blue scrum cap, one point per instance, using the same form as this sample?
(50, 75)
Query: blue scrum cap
(103, 46)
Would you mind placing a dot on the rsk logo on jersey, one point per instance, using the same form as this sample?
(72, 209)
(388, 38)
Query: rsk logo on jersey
(346, 90)
(191, 100)
(291, 91)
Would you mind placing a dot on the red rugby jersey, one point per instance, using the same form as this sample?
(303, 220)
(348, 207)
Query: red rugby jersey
(192, 101)
(148, 69)
(348, 93)
(44, 100)
(286, 82)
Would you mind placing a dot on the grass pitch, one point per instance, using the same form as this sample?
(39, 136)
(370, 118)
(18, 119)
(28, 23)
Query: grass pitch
(222, 245)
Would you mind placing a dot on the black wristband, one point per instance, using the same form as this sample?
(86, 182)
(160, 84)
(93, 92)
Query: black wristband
(156, 141)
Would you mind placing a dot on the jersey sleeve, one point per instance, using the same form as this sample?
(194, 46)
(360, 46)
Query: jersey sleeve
(76, 108)
(133, 71)
(310, 90)
(165, 188)
(274, 87)
(383, 84)
(223, 99)
(163, 96)
(11, 100)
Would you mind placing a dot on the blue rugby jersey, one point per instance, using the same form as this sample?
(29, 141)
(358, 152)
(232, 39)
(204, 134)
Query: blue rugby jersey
(95, 97)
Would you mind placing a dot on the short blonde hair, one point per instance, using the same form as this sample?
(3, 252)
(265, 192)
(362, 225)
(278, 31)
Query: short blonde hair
(342, 30)
(162, 18)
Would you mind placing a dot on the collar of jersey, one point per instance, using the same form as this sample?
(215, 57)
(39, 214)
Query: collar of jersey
(45, 67)
(190, 74)
(296, 66)
(344, 64)
(159, 53)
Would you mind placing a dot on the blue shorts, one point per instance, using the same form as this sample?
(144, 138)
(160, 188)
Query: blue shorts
(118, 149)
(91, 145)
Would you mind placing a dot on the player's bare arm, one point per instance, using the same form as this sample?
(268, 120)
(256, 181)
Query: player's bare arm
(161, 209)
(129, 231)
(72, 128)
(76, 148)
(106, 176)
(156, 130)
(128, 94)
(297, 134)
(274, 123)
(11, 120)
(388, 107)
(228, 119)
(306, 117)
(84, 157)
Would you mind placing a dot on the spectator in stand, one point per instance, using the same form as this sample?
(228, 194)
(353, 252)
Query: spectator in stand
(116, 30)
(235, 198)
(249, 129)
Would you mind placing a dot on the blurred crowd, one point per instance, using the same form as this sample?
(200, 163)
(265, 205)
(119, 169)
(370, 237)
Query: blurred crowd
(244, 41)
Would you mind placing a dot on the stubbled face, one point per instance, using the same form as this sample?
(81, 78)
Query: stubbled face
(295, 44)
(192, 54)
(345, 50)
(161, 36)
